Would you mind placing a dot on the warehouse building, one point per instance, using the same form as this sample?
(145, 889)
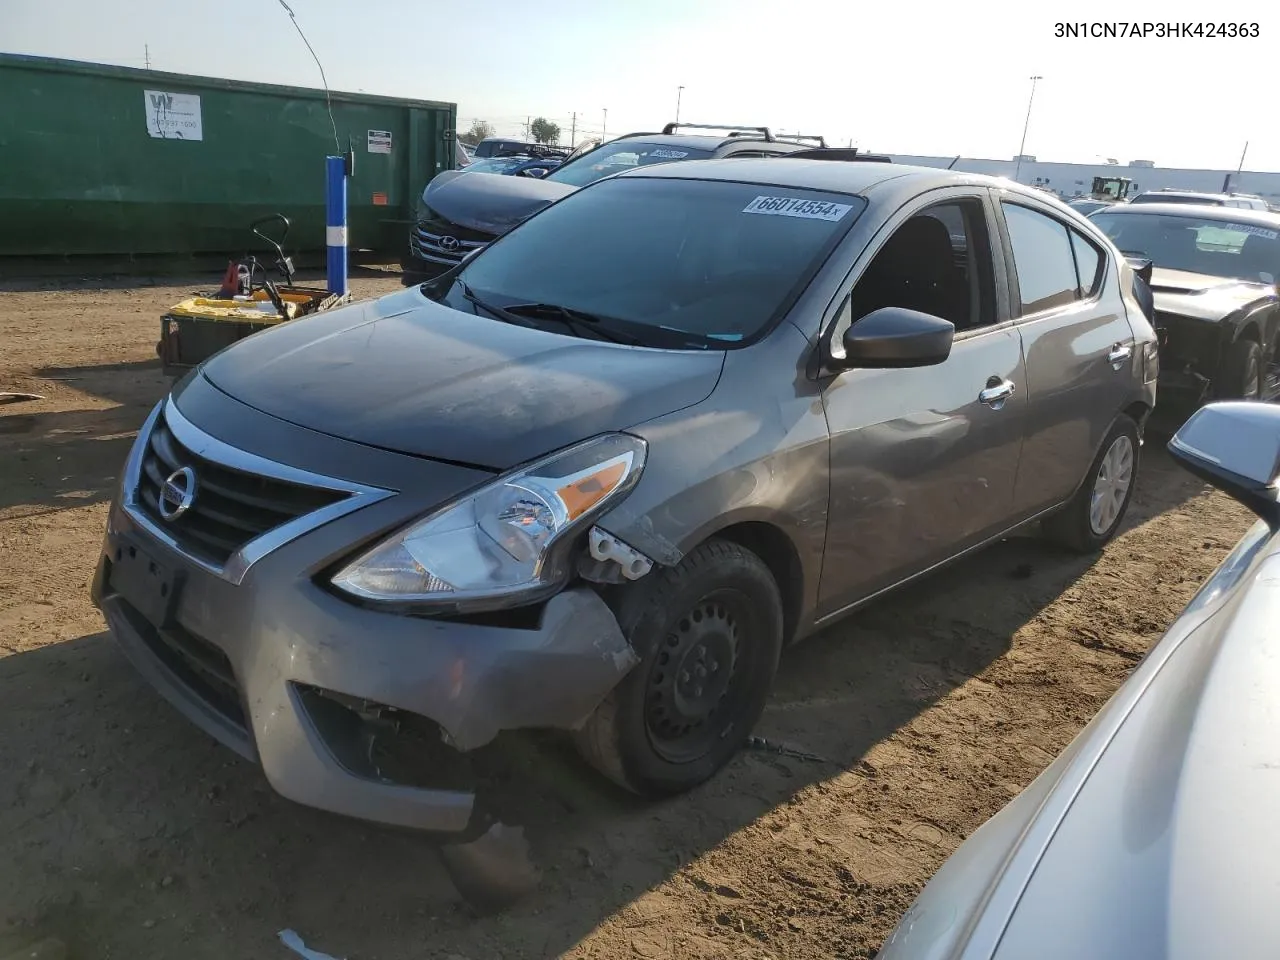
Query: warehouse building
(1069, 180)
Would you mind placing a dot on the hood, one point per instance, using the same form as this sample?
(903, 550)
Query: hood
(1204, 297)
(1170, 849)
(406, 374)
(492, 204)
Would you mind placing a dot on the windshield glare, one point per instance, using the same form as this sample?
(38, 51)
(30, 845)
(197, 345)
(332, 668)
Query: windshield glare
(713, 262)
(495, 165)
(1217, 248)
(618, 156)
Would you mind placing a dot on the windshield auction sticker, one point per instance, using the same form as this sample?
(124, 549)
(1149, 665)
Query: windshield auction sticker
(795, 207)
(1252, 230)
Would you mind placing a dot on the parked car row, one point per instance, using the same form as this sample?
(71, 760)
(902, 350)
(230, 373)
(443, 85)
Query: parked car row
(1214, 280)
(1098, 200)
(659, 421)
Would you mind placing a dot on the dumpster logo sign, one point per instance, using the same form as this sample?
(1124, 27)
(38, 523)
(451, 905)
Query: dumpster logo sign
(173, 116)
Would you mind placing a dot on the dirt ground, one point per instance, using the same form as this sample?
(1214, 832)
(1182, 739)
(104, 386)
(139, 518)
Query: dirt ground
(124, 832)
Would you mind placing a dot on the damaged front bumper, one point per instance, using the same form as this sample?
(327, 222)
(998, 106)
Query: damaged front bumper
(311, 687)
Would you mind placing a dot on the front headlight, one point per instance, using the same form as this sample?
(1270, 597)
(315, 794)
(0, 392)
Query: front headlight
(505, 544)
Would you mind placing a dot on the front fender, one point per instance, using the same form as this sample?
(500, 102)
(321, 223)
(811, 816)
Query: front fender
(756, 450)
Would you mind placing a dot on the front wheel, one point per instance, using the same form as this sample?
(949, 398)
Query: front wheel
(709, 635)
(1095, 513)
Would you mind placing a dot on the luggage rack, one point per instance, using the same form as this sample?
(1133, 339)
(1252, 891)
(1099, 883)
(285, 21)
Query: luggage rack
(735, 129)
(838, 153)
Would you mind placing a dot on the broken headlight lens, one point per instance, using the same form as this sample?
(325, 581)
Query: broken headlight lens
(502, 545)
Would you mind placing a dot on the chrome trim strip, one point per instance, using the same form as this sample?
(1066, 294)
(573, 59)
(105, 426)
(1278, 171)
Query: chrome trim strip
(215, 450)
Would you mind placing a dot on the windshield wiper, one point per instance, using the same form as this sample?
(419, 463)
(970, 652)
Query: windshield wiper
(497, 312)
(578, 321)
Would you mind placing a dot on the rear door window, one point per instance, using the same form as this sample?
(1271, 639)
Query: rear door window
(1088, 265)
(1043, 259)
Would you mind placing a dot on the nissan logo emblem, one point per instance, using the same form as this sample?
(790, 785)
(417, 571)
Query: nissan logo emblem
(449, 244)
(177, 493)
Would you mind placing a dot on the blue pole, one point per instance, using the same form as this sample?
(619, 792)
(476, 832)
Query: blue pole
(336, 223)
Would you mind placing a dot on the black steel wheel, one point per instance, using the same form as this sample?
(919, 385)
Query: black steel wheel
(691, 680)
(709, 633)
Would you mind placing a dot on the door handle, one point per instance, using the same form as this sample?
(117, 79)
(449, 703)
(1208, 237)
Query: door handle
(1119, 354)
(996, 393)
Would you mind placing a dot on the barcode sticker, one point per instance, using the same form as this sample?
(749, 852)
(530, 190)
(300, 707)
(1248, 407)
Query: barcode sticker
(796, 207)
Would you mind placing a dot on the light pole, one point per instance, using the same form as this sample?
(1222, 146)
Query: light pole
(679, 91)
(1021, 147)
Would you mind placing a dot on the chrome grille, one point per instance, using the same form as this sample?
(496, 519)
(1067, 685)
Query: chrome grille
(231, 507)
(434, 240)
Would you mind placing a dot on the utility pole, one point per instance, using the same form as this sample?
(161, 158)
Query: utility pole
(1021, 147)
(606, 123)
(528, 122)
(146, 47)
(679, 91)
(573, 131)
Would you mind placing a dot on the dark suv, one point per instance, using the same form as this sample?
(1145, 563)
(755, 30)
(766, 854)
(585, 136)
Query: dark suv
(459, 214)
(505, 147)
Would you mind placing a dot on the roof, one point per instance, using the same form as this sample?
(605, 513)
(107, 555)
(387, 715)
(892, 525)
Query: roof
(828, 175)
(1208, 194)
(1260, 218)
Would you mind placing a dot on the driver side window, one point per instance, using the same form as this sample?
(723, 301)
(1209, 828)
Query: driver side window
(937, 262)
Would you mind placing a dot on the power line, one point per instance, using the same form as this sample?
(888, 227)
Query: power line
(328, 101)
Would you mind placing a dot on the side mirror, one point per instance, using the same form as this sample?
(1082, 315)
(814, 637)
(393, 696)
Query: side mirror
(1235, 445)
(893, 337)
(1141, 266)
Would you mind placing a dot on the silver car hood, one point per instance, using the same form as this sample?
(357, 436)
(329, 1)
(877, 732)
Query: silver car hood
(1155, 834)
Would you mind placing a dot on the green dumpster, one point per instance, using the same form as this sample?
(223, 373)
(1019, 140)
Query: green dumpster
(109, 161)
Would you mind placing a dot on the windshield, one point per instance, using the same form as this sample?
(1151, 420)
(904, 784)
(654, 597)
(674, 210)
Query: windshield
(691, 263)
(495, 164)
(618, 156)
(1218, 248)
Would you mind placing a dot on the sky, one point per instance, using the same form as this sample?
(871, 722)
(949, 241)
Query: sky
(890, 77)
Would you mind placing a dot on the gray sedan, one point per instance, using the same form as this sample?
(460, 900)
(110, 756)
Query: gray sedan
(1154, 834)
(598, 475)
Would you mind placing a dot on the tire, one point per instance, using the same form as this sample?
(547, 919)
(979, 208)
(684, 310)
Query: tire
(1076, 526)
(1241, 377)
(720, 598)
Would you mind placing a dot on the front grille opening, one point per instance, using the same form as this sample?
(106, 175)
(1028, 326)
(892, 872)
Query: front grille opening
(378, 742)
(231, 507)
(202, 667)
(521, 776)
